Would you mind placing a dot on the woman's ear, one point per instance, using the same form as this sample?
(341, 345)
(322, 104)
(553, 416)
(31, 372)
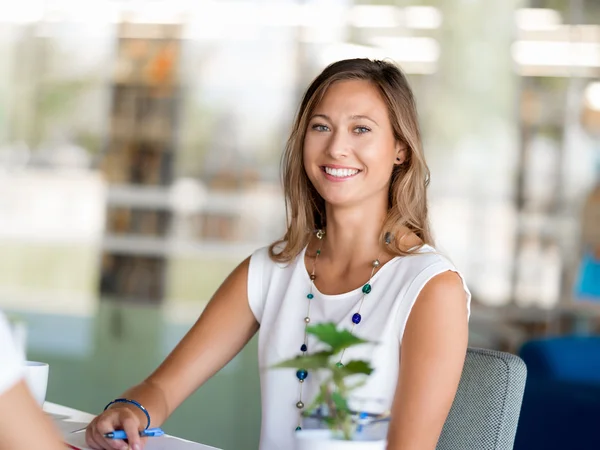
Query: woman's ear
(401, 152)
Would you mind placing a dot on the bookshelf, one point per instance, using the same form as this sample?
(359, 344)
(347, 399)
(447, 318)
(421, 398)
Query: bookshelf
(139, 159)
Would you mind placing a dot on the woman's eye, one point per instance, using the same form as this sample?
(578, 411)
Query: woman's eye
(362, 130)
(319, 127)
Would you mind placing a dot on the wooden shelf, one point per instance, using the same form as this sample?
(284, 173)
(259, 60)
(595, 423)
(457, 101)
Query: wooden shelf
(140, 161)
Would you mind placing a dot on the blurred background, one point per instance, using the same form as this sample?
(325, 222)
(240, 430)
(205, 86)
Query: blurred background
(140, 144)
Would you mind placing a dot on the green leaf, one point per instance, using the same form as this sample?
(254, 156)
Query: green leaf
(318, 401)
(340, 402)
(338, 340)
(356, 367)
(318, 360)
(331, 422)
(357, 385)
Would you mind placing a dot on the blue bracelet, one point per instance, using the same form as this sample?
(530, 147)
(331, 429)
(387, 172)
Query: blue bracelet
(133, 402)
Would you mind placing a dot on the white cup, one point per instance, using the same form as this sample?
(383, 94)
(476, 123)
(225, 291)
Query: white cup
(36, 376)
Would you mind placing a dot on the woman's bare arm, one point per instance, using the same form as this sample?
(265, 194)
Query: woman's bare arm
(433, 353)
(23, 425)
(223, 329)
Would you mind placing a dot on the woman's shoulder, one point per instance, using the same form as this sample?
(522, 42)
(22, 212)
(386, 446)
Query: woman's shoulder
(264, 253)
(265, 257)
(265, 273)
(422, 264)
(426, 255)
(416, 271)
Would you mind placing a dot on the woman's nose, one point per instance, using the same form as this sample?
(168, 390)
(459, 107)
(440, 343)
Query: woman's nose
(338, 146)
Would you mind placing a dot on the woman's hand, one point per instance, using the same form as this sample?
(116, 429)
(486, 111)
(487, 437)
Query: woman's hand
(118, 417)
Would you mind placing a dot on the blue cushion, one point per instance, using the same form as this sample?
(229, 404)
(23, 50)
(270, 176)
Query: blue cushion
(568, 358)
(559, 415)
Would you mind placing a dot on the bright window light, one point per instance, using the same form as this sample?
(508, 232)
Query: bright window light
(592, 95)
(408, 49)
(29, 11)
(537, 18)
(374, 16)
(547, 53)
(422, 17)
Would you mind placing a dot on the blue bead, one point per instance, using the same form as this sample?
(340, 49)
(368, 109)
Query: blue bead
(302, 374)
(303, 348)
(298, 428)
(310, 296)
(356, 318)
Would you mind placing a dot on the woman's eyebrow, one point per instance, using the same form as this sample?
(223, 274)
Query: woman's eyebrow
(353, 117)
(362, 116)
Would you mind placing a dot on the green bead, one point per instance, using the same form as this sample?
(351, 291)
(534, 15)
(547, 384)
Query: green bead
(298, 428)
(339, 364)
(366, 288)
(310, 296)
(318, 252)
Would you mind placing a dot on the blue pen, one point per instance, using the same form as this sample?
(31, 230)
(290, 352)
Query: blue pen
(120, 434)
(361, 418)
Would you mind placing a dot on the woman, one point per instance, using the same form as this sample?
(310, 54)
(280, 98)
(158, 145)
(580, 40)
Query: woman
(23, 425)
(354, 171)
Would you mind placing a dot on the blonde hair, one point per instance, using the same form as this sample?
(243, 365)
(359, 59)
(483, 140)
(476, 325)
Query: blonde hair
(407, 206)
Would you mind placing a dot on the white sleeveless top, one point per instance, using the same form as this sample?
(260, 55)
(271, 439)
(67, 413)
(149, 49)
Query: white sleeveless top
(277, 296)
(11, 360)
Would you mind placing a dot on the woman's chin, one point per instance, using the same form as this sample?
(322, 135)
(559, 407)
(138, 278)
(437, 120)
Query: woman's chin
(342, 201)
(350, 199)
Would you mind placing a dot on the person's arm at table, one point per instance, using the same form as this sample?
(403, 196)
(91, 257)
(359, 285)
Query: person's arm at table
(23, 425)
(223, 329)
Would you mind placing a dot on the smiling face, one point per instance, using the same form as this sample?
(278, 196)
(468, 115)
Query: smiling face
(349, 147)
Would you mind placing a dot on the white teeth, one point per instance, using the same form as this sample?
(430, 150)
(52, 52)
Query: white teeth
(342, 173)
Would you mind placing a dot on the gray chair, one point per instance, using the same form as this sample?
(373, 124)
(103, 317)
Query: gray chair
(485, 412)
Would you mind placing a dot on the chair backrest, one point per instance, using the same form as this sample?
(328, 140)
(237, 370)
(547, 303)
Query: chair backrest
(485, 412)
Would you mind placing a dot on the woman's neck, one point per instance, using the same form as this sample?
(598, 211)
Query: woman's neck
(353, 234)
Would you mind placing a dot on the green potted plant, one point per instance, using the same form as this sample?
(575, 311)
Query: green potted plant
(334, 391)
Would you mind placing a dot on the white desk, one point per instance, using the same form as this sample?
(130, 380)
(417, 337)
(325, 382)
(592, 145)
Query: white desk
(63, 417)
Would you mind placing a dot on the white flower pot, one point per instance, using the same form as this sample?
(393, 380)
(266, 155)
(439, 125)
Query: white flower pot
(323, 440)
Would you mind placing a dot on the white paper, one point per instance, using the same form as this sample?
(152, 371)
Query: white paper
(171, 443)
(67, 428)
(154, 443)
(76, 440)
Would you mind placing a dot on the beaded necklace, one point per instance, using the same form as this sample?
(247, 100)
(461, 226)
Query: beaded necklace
(301, 374)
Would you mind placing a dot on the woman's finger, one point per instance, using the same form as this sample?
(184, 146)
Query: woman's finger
(91, 442)
(106, 426)
(94, 440)
(131, 427)
(90, 439)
